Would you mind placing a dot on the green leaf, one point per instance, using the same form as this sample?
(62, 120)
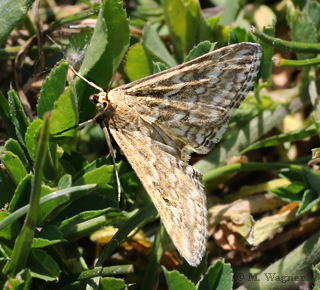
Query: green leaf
(46, 209)
(303, 29)
(313, 13)
(12, 14)
(104, 178)
(22, 194)
(239, 34)
(22, 281)
(32, 143)
(42, 265)
(73, 163)
(292, 175)
(201, 49)
(6, 118)
(141, 57)
(48, 236)
(14, 147)
(52, 88)
(7, 187)
(14, 166)
(108, 45)
(18, 117)
(81, 285)
(89, 167)
(316, 274)
(84, 223)
(138, 55)
(64, 114)
(105, 175)
(218, 277)
(187, 25)
(153, 44)
(299, 3)
(65, 182)
(310, 199)
(159, 66)
(53, 201)
(11, 231)
(290, 193)
(230, 13)
(112, 283)
(32, 136)
(87, 13)
(212, 276)
(312, 179)
(177, 281)
(225, 280)
(133, 187)
(302, 259)
(192, 273)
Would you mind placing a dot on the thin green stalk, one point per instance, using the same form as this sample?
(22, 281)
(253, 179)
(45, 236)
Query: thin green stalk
(286, 45)
(29, 25)
(62, 196)
(154, 259)
(295, 63)
(106, 271)
(219, 172)
(23, 242)
(78, 16)
(89, 274)
(276, 140)
(266, 67)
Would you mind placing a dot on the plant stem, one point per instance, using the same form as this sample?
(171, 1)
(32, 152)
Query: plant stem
(286, 45)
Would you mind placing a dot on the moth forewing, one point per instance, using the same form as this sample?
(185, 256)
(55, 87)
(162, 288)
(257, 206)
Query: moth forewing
(158, 121)
(193, 102)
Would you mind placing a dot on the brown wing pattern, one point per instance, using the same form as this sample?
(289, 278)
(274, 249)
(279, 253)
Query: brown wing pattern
(174, 186)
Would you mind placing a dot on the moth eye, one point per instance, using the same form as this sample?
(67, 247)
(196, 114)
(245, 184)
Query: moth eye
(100, 107)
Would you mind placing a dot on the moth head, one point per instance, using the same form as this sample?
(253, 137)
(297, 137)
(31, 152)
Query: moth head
(100, 100)
(104, 107)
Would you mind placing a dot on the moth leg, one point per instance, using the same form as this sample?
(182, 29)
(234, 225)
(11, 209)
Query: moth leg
(113, 155)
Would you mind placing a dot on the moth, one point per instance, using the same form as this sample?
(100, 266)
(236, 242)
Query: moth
(158, 121)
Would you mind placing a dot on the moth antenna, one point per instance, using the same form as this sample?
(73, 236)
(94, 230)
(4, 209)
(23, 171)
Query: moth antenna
(54, 42)
(79, 126)
(106, 134)
(84, 79)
